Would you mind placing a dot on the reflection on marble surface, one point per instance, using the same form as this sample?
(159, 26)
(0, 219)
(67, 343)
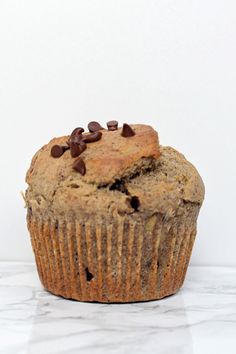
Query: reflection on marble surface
(200, 319)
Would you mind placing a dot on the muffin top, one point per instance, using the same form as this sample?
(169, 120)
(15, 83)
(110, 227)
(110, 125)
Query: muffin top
(117, 171)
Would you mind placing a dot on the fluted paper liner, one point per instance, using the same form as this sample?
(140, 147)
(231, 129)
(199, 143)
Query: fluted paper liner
(113, 260)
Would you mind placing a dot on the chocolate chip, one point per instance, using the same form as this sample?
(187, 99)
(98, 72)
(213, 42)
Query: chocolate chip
(127, 131)
(90, 138)
(77, 131)
(75, 139)
(58, 150)
(79, 166)
(112, 125)
(135, 203)
(76, 136)
(120, 186)
(89, 276)
(94, 127)
(77, 148)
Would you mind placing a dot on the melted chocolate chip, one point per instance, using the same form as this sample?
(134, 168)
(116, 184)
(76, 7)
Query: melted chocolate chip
(135, 203)
(89, 276)
(94, 127)
(127, 131)
(90, 138)
(77, 148)
(77, 131)
(76, 136)
(112, 125)
(79, 166)
(120, 186)
(58, 150)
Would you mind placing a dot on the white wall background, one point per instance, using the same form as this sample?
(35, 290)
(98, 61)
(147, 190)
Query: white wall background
(167, 63)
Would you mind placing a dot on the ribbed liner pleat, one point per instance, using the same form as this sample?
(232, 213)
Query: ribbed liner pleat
(186, 257)
(139, 237)
(45, 230)
(56, 258)
(181, 259)
(166, 271)
(181, 235)
(153, 276)
(52, 254)
(124, 257)
(100, 275)
(130, 240)
(89, 258)
(120, 228)
(121, 260)
(134, 283)
(73, 261)
(34, 241)
(63, 252)
(81, 275)
(41, 245)
(109, 271)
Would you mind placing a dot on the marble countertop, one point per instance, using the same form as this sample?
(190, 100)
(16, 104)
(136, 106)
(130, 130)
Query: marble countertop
(200, 319)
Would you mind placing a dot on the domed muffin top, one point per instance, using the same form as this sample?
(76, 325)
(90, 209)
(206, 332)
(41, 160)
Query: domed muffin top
(112, 157)
(119, 170)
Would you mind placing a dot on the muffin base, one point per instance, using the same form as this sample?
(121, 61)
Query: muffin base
(122, 259)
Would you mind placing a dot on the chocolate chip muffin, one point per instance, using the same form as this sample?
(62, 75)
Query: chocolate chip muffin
(112, 214)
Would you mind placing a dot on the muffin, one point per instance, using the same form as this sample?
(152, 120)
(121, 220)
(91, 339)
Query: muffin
(112, 215)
